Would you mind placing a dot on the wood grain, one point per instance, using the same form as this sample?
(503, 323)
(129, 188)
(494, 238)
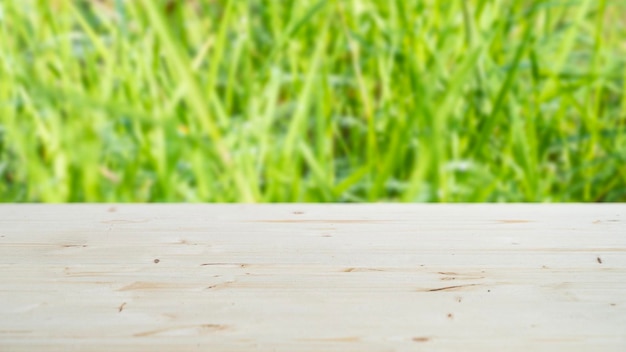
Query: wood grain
(313, 277)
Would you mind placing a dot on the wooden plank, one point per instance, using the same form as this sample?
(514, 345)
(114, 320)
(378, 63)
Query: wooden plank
(381, 277)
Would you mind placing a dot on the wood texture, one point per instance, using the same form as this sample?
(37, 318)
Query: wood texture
(313, 277)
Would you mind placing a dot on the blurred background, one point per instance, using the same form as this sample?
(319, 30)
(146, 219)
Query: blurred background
(312, 101)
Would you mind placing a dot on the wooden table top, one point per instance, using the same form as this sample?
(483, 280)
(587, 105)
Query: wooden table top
(292, 277)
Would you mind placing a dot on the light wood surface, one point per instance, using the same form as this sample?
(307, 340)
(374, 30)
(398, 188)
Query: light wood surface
(295, 277)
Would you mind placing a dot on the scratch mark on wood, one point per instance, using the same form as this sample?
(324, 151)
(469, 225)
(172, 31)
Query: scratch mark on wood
(331, 221)
(122, 221)
(142, 285)
(334, 339)
(184, 241)
(599, 260)
(573, 250)
(241, 265)
(121, 308)
(450, 288)
(199, 328)
(557, 339)
(67, 272)
(351, 270)
(27, 244)
(219, 285)
(449, 276)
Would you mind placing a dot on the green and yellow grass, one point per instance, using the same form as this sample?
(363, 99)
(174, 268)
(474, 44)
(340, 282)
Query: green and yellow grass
(312, 100)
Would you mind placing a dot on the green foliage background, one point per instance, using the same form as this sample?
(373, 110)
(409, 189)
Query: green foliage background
(312, 100)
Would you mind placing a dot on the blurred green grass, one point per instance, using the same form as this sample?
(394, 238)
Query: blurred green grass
(312, 100)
